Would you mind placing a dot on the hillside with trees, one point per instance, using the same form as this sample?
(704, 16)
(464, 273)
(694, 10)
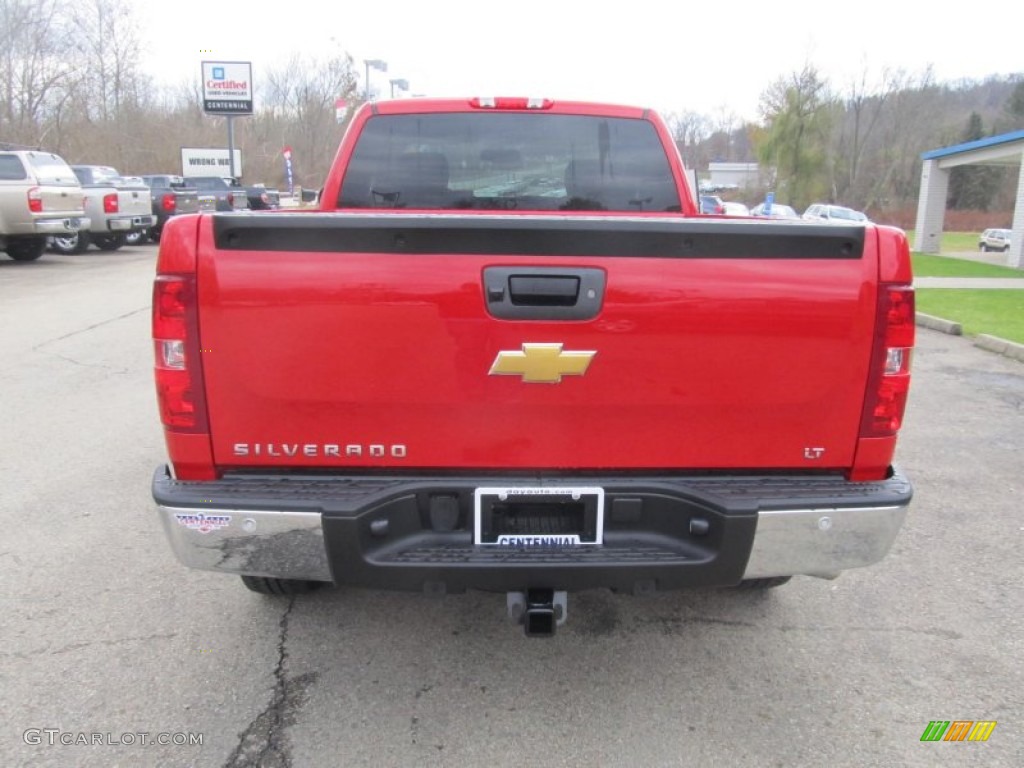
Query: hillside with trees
(70, 82)
(860, 145)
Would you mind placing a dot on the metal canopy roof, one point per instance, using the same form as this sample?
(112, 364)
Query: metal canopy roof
(1005, 149)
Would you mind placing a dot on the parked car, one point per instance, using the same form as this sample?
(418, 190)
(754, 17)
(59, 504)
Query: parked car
(226, 194)
(834, 214)
(777, 211)
(736, 209)
(712, 204)
(994, 240)
(257, 196)
(172, 196)
(261, 198)
(116, 207)
(39, 196)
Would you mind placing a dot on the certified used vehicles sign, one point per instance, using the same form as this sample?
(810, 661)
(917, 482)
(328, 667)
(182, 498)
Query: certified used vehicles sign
(227, 87)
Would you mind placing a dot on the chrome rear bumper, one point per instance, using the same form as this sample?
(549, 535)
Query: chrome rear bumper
(63, 226)
(822, 542)
(285, 545)
(662, 533)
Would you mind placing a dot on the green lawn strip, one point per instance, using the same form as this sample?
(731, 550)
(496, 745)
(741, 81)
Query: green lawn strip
(926, 265)
(995, 312)
(953, 241)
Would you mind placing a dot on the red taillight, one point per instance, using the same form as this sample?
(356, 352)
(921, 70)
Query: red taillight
(231, 199)
(505, 102)
(167, 202)
(110, 204)
(176, 346)
(35, 200)
(889, 381)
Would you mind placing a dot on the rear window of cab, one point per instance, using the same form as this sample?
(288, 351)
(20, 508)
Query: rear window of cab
(51, 169)
(11, 168)
(506, 161)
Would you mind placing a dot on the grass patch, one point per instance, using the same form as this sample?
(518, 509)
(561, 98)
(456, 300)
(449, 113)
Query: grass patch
(995, 312)
(926, 265)
(953, 241)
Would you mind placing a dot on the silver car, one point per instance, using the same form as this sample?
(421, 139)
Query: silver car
(776, 211)
(834, 214)
(994, 240)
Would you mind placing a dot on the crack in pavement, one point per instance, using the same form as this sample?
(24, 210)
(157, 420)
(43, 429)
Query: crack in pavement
(101, 366)
(676, 624)
(264, 743)
(945, 634)
(42, 344)
(80, 646)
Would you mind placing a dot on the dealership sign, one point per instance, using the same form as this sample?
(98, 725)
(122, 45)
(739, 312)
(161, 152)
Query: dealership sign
(198, 161)
(227, 87)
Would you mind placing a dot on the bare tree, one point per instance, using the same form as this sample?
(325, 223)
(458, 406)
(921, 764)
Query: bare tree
(107, 48)
(689, 129)
(864, 104)
(34, 73)
(907, 127)
(299, 112)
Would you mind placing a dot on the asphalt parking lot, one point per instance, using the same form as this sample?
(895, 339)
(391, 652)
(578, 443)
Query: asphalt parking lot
(105, 633)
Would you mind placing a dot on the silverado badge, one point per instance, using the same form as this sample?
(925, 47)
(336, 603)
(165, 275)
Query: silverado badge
(541, 363)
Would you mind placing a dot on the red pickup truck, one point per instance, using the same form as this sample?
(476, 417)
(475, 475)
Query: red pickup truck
(507, 354)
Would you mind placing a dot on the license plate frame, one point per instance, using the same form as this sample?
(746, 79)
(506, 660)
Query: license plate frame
(587, 501)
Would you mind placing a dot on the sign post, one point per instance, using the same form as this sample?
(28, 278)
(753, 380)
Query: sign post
(227, 90)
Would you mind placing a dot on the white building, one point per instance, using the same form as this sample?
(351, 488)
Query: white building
(734, 175)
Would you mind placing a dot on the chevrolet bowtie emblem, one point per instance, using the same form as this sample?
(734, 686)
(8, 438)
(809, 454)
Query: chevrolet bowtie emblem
(541, 363)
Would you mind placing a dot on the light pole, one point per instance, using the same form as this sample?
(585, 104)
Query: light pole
(378, 64)
(402, 84)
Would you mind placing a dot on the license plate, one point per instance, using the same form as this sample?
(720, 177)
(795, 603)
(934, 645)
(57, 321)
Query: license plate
(524, 517)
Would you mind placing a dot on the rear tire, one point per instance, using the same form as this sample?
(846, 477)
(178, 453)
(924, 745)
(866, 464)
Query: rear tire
(760, 584)
(269, 586)
(77, 242)
(109, 242)
(984, 248)
(25, 248)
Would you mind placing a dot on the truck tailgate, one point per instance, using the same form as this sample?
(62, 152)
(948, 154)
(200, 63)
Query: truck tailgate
(134, 201)
(348, 340)
(186, 201)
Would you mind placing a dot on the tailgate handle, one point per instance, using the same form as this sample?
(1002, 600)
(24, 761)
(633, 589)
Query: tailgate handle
(541, 291)
(544, 293)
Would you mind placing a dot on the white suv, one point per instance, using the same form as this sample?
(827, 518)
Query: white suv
(994, 240)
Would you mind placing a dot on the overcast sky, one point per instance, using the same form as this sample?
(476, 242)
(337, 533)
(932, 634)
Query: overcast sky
(710, 57)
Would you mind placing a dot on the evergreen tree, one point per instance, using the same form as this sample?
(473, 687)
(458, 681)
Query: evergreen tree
(971, 186)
